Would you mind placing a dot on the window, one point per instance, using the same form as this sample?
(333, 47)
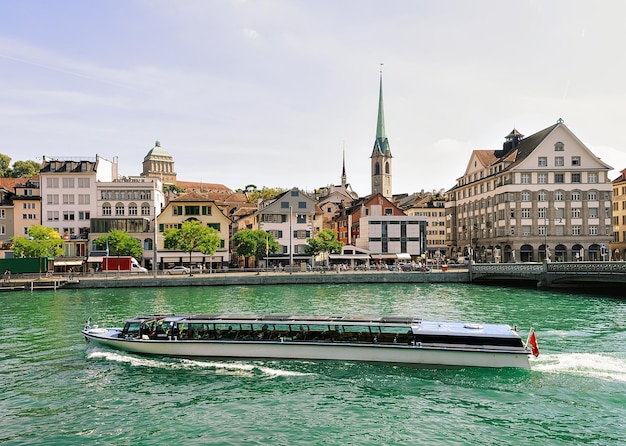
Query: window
(575, 212)
(542, 178)
(575, 196)
(284, 204)
(543, 161)
(542, 196)
(542, 230)
(525, 178)
(52, 183)
(512, 230)
(83, 198)
(559, 161)
(559, 178)
(83, 215)
(192, 210)
(558, 195)
(526, 230)
(119, 209)
(295, 193)
(541, 213)
(68, 199)
(52, 199)
(53, 215)
(83, 182)
(559, 147)
(575, 178)
(68, 182)
(132, 209)
(177, 210)
(575, 161)
(215, 226)
(593, 212)
(300, 218)
(68, 215)
(575, 230)
(592, 196)
(592, 177)
(206, 210)
(106, 209)
(593, 230)
(525, 196)
(145, 209)
(525, 212)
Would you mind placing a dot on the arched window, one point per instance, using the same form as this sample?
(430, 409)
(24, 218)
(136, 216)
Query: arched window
(119, 209)
(106, 209)
(376, 169)
(387, 168)
(147, 244)
(132, 209)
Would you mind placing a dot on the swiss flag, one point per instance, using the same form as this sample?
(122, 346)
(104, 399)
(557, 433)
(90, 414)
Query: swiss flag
(532, 340)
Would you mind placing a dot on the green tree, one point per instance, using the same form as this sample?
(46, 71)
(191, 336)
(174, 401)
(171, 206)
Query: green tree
(254, 242)
(266, 193)
(120, 243)
(25, 169)
(5, 162)
(40, 242)
(193, 236)
(325, 242)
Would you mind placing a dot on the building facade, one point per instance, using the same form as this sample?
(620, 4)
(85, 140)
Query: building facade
(159, 164)
(545, 196)
(618, 244)
(68, 192)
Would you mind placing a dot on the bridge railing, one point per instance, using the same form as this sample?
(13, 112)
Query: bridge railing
(587, 267)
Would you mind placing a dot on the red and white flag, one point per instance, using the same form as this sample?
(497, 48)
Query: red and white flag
(532, 341)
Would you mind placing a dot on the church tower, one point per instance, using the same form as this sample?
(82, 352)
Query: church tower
(158, 163)
(381, 155)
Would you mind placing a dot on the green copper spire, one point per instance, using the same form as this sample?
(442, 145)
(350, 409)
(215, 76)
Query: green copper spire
(381, 145)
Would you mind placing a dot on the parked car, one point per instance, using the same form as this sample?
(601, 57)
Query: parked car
(178, 269)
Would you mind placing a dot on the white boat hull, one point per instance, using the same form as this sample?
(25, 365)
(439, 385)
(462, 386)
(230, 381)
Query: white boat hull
(418, 355)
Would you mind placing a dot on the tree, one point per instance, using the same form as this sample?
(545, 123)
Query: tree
(119, 243)
(41, 242)
(324, 242)
(193, 236)
(266, 193)
(254, 242)
(5, 161)
(25, 169)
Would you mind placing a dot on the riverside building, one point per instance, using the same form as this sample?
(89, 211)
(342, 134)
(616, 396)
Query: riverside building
(541, 197)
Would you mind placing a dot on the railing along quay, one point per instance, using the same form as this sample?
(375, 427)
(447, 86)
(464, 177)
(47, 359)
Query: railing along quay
(553, 275)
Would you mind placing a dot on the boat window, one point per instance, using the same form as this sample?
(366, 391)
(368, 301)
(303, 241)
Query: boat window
(131, 329)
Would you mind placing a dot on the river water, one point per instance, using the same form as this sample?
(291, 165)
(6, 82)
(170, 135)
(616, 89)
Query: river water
(56, 390)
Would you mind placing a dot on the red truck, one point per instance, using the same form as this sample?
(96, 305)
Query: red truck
(122, 263)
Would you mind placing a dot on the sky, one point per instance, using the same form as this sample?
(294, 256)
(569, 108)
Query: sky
(275, 92)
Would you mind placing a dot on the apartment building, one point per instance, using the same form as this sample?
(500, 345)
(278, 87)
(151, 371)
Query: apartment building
(129, 204)
(432, 207)
(193, 206)
(68, 191)
(26, 204)
(545, 196)
(618, 244)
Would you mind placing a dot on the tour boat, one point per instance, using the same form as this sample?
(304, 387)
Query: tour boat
(384, 339)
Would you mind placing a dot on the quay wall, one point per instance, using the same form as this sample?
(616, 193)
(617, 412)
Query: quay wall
(272, 278)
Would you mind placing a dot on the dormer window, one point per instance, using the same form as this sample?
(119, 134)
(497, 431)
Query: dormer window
(559, 147)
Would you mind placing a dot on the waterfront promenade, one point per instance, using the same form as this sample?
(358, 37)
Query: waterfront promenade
(603, 276)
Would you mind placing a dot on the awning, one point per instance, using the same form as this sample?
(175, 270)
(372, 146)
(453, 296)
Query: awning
(404, 256)
(349, 256)
(68, 262)
(384, 256)
(94, 259)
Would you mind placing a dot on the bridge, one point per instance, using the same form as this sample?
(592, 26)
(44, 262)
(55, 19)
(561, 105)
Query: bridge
(594, 275)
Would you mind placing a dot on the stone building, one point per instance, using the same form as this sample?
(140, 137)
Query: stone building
(542, 196)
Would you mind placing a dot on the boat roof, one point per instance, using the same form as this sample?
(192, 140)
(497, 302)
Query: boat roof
(418, 325)
(279, 319)
(465, 329)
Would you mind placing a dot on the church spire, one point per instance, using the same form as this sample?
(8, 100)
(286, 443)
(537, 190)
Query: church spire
(344, 177)
(381, 145)
(381, 154)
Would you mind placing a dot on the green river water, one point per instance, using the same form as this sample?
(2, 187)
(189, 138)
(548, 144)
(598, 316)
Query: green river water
(55, 390)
